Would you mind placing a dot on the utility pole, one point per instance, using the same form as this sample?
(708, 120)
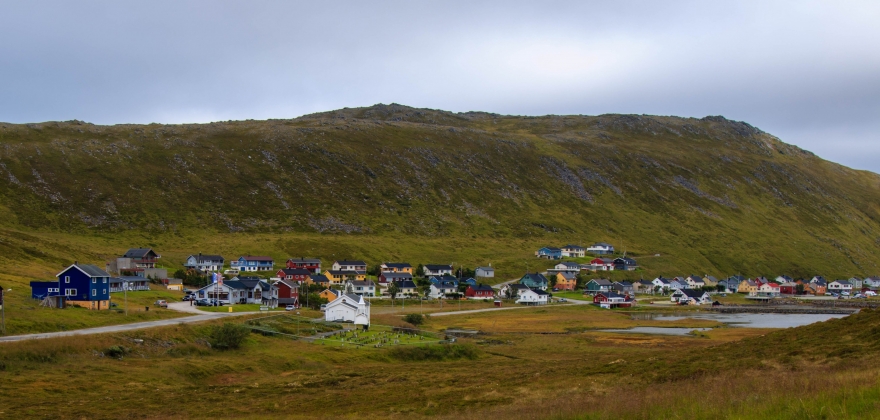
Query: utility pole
(125, 294)
(2, 313)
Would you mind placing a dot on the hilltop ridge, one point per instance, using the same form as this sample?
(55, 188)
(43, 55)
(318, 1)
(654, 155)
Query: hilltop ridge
(716, 193)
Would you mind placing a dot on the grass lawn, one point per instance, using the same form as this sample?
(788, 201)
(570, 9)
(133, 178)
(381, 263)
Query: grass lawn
(244, 307)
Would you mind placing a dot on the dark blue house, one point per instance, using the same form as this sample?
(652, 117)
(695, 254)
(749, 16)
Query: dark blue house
(41, 289)
(85, 285)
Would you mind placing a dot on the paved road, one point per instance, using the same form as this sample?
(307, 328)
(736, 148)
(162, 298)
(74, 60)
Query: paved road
(201, 317)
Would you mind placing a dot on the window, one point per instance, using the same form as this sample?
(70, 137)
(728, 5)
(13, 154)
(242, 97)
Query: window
(67, 279)
(94, 292)
(70, 292)
(94, 281)
(105, 280)
(104, 291)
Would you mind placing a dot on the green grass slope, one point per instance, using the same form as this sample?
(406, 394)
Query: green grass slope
(708, 195)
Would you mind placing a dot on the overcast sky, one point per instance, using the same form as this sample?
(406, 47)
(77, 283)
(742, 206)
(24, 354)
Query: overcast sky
(807, 72)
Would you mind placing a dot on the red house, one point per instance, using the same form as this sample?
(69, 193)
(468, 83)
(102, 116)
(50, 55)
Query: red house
(480, 291)
(788, 288)
(612, 300)
(298, 275)
(311, 264)
(288, 293)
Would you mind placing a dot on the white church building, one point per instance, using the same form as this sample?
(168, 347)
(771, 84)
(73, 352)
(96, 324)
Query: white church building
(348, 308)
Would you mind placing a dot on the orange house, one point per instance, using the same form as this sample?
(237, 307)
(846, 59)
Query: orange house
(329, 294)
(565, 281)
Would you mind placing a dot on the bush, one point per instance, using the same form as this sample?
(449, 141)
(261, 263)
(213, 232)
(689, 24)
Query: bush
(415, 319)
(116, 352)
(228, 336)
(433, 352)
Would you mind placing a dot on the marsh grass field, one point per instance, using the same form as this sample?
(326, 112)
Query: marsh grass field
(823, 370)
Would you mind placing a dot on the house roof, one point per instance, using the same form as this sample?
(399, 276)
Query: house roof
(844, 282)
(295, 271)
(534, 277)
(662, 280)
(351, 262)
(89, 269)
(482, 287)
(396, 276)
(205, 258)
(289, 283)
(518, 286)
(612, 295)
(696, 279)
(139, 253)
(692, 293)
(645, 282)
(343, 272)
(570, 246)
(601, 244)
(540, 292)
(485, 268)
(405, 284)
(712, 279)
(601, 282)
(552, 249)
(304, 260)
(570, 265)
(784, 277)
(398, 265)
(319, 278)
(444, 285)
(438, 267)
(737, 277)
(362, 283)
(568, 276)
(333, 291)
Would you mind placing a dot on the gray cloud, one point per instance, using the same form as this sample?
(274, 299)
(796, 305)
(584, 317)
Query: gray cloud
(804, 71)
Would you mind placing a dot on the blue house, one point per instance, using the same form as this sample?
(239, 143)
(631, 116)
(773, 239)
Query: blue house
(534, 281)
(549, 253)
(41, 289)
(446, 278)
(85, 285)
(251, 263)
(471, 281)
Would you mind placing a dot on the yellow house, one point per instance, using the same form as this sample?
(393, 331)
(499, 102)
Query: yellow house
(747, 286)
(174, 284)
(396, 268)
(329, 294)
(565, 281)
(339, 277)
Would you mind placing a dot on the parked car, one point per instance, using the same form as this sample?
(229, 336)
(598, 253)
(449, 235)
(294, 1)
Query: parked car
(162, 303)
(290, 308)
(188, 298)
(231, 272)
(563, 300)
(202, 302)
(870, 293)
(844, 293)
(323, 307)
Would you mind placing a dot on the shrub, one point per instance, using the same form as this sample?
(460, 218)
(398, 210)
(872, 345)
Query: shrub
(228, 336)
(433, 352)
(116, 352)
(415, 319)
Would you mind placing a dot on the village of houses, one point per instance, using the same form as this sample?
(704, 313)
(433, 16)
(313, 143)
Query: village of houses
(348, 291)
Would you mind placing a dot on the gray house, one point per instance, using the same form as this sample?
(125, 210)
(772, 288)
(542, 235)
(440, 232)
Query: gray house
(485, 271)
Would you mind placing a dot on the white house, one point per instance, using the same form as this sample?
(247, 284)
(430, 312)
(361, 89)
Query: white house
(484, 272)
(348, 308)
(440, 289)
(663, 283)
(533, 297)
(509, 289)
(360, 287)
(871, 282)
(601, 248)
(573, 251)
(840, 286)
(695, 282)
(784, 279)
(437, 269)
(349, 266)
(856, 283)
(204, 262)
(691, 296)
(565, 267)
(678, 283)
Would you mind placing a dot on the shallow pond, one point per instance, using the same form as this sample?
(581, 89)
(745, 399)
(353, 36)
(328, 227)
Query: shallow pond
(744, 320)
(658, 330)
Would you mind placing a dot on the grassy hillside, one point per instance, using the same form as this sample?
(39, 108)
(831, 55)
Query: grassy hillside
(707, 195)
